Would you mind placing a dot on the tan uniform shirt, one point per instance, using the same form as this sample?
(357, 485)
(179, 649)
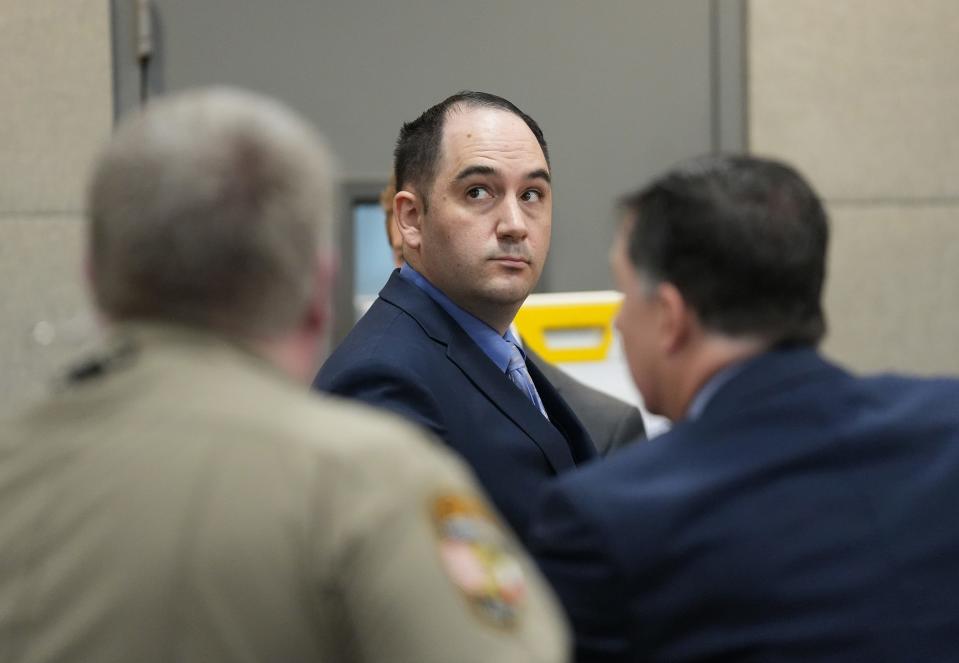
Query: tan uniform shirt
(184, 502)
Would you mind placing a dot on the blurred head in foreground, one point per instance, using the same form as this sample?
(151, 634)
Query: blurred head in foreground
(719, 259)
(212, 209)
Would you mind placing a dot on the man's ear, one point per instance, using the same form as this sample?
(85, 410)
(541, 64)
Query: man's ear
(89, 276)
(87, 267)
(320, 312)
(677, 320)
(408, 217)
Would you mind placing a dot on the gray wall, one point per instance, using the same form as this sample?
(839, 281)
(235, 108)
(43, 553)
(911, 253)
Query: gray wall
(622, 88)
(55, 96)
(863, 96)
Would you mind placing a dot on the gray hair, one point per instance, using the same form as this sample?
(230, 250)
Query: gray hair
(208, 209)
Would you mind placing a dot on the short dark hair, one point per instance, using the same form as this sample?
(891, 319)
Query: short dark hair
(744, 241)
(418, 146)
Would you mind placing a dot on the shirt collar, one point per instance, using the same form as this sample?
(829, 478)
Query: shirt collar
(497, 348)
(711, 388)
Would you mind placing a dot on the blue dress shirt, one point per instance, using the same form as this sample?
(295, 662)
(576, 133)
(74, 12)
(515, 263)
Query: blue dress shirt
(494, 346)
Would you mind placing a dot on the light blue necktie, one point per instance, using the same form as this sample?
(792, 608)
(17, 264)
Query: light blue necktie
(517, 373)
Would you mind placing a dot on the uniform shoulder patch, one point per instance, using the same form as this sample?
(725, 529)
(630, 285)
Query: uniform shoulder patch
(473, 552)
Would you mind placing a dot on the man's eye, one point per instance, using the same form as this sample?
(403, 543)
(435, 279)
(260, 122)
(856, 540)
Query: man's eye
(478, 193)
(532, 196)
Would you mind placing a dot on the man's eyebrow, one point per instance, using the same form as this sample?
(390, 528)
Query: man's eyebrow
(469, 171)
(539, 174)
(474, 170)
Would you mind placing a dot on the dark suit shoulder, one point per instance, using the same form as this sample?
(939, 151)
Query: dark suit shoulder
(385, 361)
(386, 335)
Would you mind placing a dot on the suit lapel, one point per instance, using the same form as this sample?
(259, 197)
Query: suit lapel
(484, 375)
(562, 416)
(477, 367)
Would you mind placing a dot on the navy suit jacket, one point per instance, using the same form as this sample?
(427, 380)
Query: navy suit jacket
(806, 515)
(409, 356)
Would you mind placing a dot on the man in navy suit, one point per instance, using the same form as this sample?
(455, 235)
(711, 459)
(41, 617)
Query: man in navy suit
(474, 208)
(795, 512)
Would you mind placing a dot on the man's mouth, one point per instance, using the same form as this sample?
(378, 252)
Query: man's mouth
(516, 260)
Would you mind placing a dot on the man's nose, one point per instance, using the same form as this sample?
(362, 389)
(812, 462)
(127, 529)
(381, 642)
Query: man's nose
(512, 221)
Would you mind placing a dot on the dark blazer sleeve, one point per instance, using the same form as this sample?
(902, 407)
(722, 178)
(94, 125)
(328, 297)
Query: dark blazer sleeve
(573, 555)
(386, 386)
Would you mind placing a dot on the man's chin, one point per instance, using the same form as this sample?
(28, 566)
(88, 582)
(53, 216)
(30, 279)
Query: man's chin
(510, 290)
